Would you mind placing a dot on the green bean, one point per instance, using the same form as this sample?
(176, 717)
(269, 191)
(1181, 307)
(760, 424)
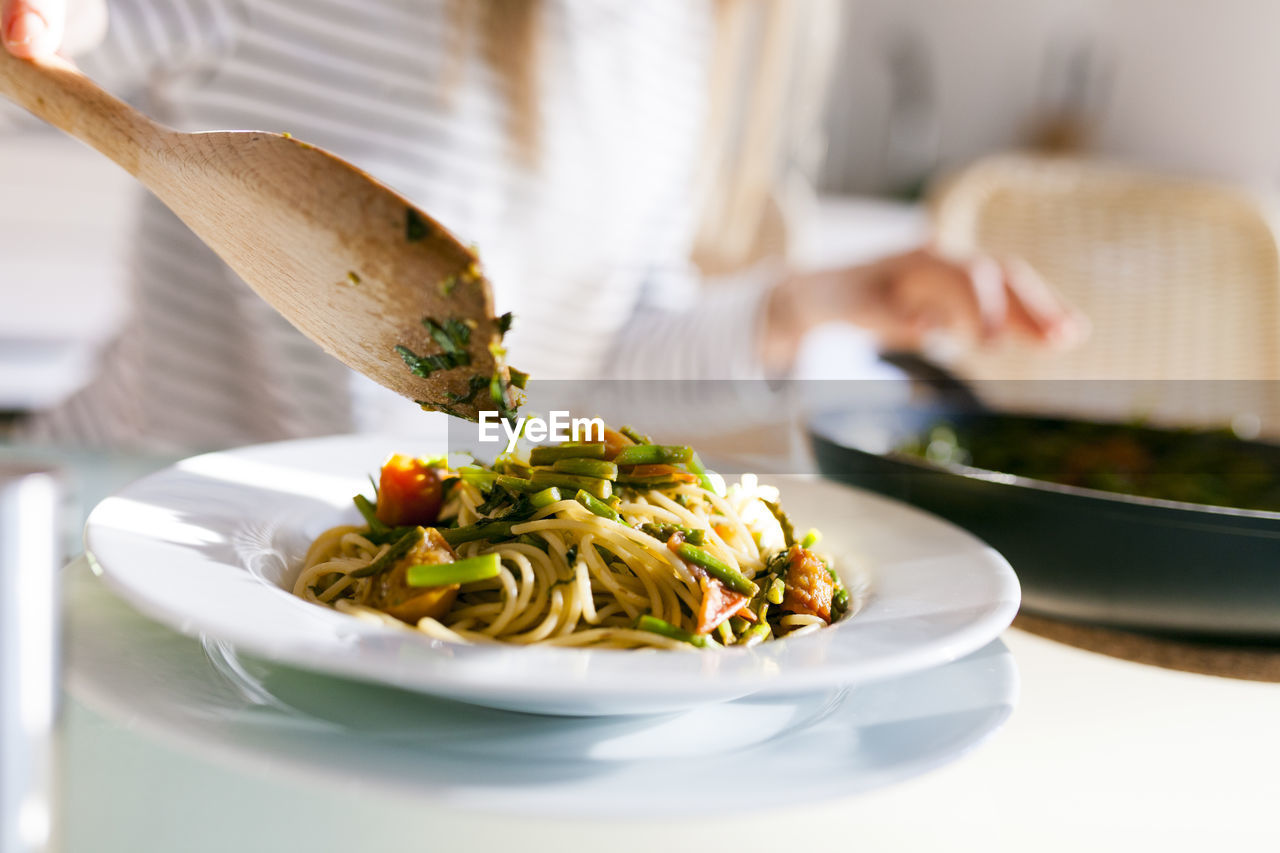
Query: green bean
(840, 600)
(813, 537)
(695, 465)
(492, 529)
(777, 589)
(511, 467)
(459, 571)
(721, 571)
(784, 521)
(395, 551)
(654, 625)
(481, 478)
(635, 436)
(515, 484)
(586, 467)
(544, 498)
(548, 454)
(738, 624)
(657, 481)
(653, 454)
(370, 513)
(546, 477)
(756, 634)
(725, 632)
(663, 530)
(596, 507)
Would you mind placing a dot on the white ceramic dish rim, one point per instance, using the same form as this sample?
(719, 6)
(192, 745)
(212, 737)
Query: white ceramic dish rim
(921, 613)
(180, 700)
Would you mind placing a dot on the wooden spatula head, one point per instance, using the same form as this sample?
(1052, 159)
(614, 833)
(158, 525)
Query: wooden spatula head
(377, 283)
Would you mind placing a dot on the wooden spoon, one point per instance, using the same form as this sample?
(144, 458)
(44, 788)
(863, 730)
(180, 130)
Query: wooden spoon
(344, 258)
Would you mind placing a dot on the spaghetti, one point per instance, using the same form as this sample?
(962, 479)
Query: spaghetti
(621, 543)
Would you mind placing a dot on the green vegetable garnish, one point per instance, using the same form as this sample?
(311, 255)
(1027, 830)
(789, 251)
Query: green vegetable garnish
(721, 571)
(415, 227)
(654, 625)
(394, 552)
(587, 467)
(549, 454)
(653, 454)
(472, 569)
(545, 498)
(597, 507)
(599, 488)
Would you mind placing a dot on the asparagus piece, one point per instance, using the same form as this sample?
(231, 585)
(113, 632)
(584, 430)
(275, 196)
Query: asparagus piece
(596, 507)
(635, 436)
(840, 600)
(721, 571)
(654, 625)
(460, 571)
(777, 589)
(695, 465)
(394, 552)
(492, 529)
(481, 478)
(587, 467)
(755, 634)
(543, 477)
(653, 454)
(549, 454)
(515, 484)
(370, 513)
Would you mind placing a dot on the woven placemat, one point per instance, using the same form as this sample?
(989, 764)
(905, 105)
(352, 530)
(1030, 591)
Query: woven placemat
(1249, 662)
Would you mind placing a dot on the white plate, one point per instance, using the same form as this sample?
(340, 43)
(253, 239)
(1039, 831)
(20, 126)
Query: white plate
(314, 729)
(212, 545)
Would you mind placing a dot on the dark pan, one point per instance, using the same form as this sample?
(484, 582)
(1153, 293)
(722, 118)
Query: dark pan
(1082, 554)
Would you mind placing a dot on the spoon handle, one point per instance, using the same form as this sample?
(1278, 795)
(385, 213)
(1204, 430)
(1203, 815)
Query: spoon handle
(54, 90)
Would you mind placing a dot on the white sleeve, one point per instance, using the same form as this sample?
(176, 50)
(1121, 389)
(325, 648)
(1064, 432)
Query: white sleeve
(714, 332)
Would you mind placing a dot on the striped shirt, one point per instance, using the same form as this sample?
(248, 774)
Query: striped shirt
(589, 248)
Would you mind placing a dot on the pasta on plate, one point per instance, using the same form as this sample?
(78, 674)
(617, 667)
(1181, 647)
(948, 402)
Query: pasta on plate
(618, 543)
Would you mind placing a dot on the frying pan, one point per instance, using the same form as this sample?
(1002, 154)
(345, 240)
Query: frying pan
(1106, 558)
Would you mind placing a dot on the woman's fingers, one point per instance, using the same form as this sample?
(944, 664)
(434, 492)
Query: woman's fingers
(33, 28)
(1037, 311)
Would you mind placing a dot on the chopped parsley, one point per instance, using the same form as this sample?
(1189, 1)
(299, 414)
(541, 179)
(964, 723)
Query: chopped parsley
(453, 335)
(477, 382)
(415, 227)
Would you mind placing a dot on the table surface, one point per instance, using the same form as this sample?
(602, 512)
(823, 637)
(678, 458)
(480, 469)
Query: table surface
(1101, 753)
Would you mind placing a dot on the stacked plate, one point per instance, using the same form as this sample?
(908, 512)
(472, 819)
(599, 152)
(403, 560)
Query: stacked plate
(192, 630)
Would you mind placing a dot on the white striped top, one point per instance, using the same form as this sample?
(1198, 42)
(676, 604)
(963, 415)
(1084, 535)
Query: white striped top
(589, 248)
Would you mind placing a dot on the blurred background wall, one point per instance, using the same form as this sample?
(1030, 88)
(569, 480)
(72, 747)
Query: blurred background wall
(1185, 85)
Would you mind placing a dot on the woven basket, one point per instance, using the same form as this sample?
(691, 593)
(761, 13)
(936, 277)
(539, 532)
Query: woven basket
(1180, 279)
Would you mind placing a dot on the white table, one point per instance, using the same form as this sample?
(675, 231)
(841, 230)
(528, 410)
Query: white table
(1100, 754)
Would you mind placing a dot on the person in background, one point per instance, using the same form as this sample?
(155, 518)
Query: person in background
(628, 170)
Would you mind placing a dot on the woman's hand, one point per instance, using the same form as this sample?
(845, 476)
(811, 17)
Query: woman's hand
(32, 28)
(904, 298)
